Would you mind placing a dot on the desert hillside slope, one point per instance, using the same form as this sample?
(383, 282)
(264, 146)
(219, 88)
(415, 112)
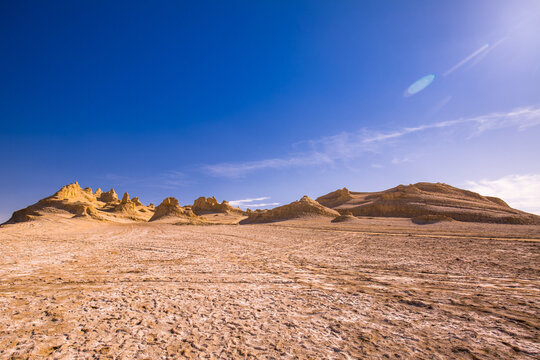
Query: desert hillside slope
(170, 211)
(426, 199)
(424, 203)
(305, 207)
(74, 201)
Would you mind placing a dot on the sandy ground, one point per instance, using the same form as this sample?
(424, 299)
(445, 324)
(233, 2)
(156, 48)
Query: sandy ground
(300, 289)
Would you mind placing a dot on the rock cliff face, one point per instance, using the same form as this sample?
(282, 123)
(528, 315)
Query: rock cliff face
(305, 207)
(427, 199)
(205, 205)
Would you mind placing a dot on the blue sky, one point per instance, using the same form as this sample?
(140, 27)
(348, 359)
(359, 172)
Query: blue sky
(269, 100)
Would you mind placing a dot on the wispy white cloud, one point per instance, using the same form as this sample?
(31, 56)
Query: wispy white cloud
(519, 191)
(398, 160)
(171, 179)
(351, 145)
(252, 202)
(233, 170)
(247, 201)
(261, 205)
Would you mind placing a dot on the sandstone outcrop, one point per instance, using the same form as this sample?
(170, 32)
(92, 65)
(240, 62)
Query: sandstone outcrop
(126, 205)
(171, 209)
(421, 199)
(423, 203)
(335, 198)
(73, 201)
(70, 200)
(125, 199)
(109, 196)
(73, 192)
(305, 207)
(205, 205)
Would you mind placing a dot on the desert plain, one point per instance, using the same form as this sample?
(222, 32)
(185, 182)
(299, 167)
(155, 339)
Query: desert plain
(375, 288)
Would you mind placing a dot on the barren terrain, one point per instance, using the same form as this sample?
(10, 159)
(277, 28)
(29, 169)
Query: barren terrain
(376, 288)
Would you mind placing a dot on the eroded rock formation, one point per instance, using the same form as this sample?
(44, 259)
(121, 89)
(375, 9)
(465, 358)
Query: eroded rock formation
(204, 205)
(170, 208)
(73, 201)
(421, 199)
(109, 196)
(305, 207)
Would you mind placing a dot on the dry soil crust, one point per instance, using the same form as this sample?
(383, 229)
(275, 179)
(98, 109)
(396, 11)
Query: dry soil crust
(265, 291)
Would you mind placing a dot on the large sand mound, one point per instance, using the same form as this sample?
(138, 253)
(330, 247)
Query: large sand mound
(427, 199)
(205, 205)
(305, 207)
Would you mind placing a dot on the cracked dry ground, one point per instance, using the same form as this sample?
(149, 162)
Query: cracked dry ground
(263, 291)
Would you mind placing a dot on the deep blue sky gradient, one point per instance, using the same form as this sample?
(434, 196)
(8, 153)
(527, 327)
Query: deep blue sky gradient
(144, 96)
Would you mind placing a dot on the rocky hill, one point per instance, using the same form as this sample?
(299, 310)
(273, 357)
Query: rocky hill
(170, 210)
(424, 198)
(74, 201)
(305, 207)
(208, 205)
(424, 203)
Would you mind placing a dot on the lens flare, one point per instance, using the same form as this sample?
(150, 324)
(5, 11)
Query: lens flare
(420, 85)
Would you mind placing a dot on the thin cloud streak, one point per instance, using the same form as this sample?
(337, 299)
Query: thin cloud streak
(467, 59)
(249, 203)
(257, 206)
(171, 179)
(347, 146)
(244, 201)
